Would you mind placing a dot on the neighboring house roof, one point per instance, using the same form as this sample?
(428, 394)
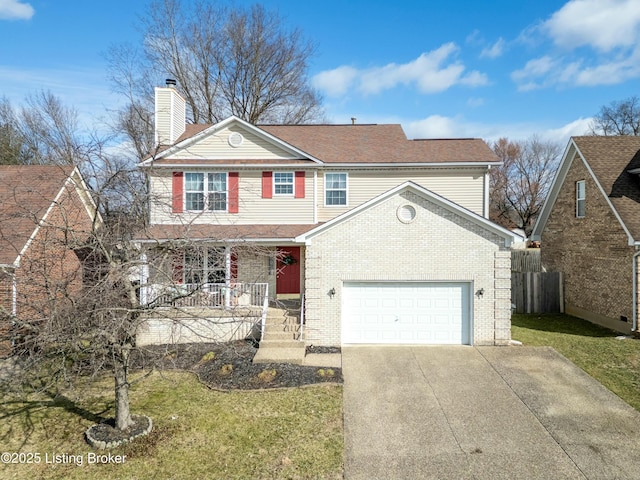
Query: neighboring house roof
(227, 233)
(27, 194)
(359, 144)
(609, 160)
(507, 235)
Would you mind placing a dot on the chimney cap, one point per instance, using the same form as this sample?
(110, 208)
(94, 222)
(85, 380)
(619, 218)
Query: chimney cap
(170, 82)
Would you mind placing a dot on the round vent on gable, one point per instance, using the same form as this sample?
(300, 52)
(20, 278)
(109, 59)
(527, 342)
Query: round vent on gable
(406, 213)
(236, 139)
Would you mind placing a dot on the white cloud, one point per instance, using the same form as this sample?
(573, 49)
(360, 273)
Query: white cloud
(15, 10)
(494, 51)
(335, 82)
(431, 72)
(601, 24)
(561, 135)
(437, 126)
(599, 44)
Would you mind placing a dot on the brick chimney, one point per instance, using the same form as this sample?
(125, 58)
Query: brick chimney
(171, 114)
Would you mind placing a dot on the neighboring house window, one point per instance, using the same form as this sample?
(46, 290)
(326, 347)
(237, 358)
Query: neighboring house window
(283, 183)
(206, 191)
(204, 265)
(335, 189)
(581, 196)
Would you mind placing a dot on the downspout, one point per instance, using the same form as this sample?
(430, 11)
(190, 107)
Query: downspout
(227, 275)
(486, 192)
(315, 197)
(635, 290)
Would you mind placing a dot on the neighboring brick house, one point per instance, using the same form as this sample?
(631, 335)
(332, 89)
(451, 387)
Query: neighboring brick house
(589, 229)
(387, 239)
(45, 212)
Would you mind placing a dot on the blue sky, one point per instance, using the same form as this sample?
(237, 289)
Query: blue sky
(456, 68)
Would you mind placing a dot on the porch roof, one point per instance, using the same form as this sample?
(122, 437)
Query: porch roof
(224, 233)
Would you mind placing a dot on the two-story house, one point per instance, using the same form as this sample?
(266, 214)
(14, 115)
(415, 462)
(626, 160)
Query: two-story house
(385, 239)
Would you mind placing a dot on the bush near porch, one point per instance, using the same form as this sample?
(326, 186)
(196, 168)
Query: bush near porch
(609, 357)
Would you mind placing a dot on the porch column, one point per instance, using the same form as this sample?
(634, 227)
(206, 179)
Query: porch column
(144, 280)
(227, 277)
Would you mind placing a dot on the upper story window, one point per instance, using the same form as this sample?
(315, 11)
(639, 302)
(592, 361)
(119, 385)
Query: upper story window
(206, 191)
(335, 189)
(283, 183)
(581, 196)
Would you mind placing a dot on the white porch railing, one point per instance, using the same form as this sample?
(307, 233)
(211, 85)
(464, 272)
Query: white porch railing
(208, 295)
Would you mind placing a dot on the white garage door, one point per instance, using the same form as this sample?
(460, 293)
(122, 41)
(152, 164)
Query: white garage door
(409, 313)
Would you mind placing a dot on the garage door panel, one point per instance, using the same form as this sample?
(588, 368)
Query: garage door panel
(420, 313)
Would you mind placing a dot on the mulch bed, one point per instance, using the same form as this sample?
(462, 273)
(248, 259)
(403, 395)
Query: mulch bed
(228, 366)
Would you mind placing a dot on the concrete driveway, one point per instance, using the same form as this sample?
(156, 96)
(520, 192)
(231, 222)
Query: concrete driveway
(482, 413)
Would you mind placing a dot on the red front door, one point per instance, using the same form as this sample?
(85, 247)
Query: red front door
(288, 274)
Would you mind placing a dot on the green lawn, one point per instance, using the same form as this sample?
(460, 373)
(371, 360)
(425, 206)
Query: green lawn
(198, 433)
(613, 362)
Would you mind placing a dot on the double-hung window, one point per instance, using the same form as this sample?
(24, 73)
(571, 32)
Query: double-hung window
(204, 265)
(206, 191)
(335, 189)
(581, 198)
(283, 183)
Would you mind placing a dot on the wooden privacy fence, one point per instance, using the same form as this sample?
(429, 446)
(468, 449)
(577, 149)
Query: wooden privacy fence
(537, 292)
(526, 260)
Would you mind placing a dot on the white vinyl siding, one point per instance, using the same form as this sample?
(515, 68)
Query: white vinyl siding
(216, 147)
(464, 187)
(581, 198)
(252, 208)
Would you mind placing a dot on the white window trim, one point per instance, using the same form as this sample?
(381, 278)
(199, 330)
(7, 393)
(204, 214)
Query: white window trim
(222, 251)
(293, 185)
(205, 193)
(324, 194)
(583, 199)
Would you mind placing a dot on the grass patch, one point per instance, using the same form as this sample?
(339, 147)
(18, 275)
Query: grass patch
(614, 363)
(198, 433)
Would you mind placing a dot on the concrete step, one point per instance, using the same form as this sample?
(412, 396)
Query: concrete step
(281, 321)
(280, 355)
(280, 335)
(288, 343)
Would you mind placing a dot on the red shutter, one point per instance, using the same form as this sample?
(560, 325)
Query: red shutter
(267, 184)
(233, 192)
(176, 198)
(299, 188)
(177, 266)
(234, 267)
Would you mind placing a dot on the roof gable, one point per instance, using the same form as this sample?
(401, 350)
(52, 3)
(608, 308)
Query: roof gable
(609, 161)
(231, 141)
(430, 196)
(27, 194)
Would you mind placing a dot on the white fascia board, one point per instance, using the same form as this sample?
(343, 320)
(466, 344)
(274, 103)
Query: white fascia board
(222, 125)
(372, 165)
(508, 236)
(274, 241)
(84, 197)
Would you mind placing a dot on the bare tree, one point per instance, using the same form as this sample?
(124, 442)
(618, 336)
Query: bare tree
(519, 187)
(618, 118)
(226, 60)
(11, 142)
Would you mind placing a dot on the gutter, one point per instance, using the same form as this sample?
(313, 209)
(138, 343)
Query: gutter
(634, 268)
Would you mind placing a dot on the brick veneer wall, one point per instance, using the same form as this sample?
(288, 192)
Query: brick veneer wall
(438, 245)
(591, 251)
(50, 272)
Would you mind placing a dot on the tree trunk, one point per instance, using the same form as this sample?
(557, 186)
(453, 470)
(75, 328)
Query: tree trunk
(123, 414)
